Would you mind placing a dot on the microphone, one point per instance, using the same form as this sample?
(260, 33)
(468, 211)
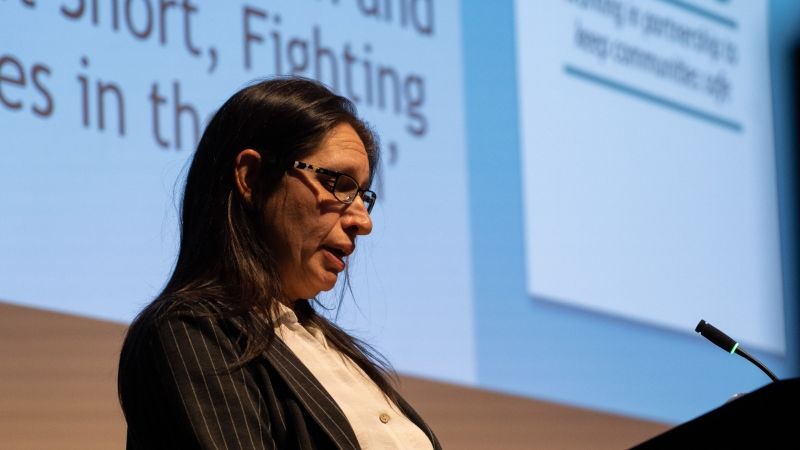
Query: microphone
(725, 342)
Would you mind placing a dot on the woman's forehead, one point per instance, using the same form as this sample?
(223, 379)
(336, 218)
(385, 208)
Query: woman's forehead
(343, 148)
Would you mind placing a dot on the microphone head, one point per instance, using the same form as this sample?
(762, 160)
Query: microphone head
(719, 338)
(700, 326)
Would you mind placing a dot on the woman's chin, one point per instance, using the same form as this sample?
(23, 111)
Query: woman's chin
(323, 283)
(329, 281)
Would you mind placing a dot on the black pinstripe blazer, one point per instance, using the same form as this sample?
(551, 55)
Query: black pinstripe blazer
(178, 395)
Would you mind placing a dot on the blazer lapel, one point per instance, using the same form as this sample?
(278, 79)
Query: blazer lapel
(312, 395)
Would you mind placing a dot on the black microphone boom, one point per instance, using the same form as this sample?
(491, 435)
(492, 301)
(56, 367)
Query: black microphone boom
(725, 342)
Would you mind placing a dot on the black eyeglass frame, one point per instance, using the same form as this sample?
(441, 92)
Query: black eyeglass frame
(367, 196)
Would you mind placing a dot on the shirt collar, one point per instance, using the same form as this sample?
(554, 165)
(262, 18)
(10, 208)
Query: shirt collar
(288, 318)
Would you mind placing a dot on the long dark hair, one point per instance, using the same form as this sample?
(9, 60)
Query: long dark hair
(224, 260)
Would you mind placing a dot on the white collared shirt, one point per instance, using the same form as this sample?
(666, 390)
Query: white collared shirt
(376, 420)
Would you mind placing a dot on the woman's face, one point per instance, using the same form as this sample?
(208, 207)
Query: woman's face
(309, 230)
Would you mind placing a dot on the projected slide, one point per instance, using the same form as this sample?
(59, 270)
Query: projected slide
(648, 162)
(102, 102)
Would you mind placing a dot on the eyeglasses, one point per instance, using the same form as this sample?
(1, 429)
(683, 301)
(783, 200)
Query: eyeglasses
(344, 187)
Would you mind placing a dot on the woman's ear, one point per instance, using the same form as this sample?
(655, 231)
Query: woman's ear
(246, 173)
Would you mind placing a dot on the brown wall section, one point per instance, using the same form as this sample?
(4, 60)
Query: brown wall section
(58, 390)
(58, 381)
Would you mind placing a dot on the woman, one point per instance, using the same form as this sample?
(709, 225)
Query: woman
(231, 355)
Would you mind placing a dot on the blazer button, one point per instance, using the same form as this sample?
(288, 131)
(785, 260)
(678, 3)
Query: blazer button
(384, 418)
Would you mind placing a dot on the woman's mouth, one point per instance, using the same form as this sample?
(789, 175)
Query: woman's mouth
(336, 257)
